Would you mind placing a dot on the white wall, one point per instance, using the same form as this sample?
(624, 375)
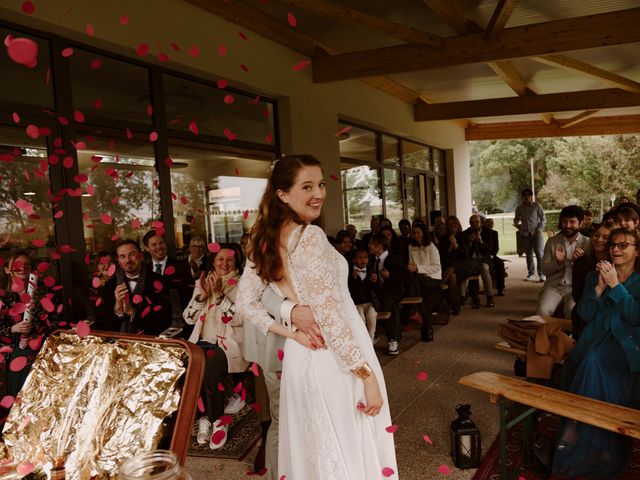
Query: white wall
(309, 112)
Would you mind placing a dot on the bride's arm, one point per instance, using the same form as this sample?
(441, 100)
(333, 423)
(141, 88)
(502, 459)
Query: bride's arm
(249, 300)
(314, 272)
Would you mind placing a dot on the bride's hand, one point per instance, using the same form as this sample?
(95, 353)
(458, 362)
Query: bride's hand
(372, 395)
(304, 339)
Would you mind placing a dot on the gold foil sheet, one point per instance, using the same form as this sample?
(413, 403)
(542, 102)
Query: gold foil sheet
(94, 400)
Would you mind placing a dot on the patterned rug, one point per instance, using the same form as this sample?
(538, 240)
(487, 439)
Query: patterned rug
(490, 467)
(244, 432)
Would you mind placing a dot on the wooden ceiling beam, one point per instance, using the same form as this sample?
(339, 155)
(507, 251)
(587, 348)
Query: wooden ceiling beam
(615, 125)
(499, 19)
(573, 65)
(352, 17)
(613, 28)
(581, 117)
(269, 27)
(552, 102)
(454, 15)
(507, 72)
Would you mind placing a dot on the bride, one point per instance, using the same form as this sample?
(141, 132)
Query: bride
(333, 402)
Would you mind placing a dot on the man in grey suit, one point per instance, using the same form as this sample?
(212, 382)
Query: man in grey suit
(557, 263)
(263, 349)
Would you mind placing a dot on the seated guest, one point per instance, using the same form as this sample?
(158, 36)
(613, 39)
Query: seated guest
(220, 334)
(490, 237)
(599, 252)
(560, 252)
(607, 357)
(353, 233)
(175, 273)
(361, 290)
(405, 238)
(24, 320)
(395, 245)
(588, 227)
(388, 276)
(344, 245)
(197, 258)
(135, 298)
(454, 252)
(627, 216)
(479, 254)
(435, 236)
(424, 264)
(374, 224)
(385, 222)
(105, 260)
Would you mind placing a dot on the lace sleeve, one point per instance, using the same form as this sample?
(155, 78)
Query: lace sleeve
(314, 271)
(249, 305)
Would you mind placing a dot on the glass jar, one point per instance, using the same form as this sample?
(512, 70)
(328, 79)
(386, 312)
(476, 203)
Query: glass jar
(155, 465)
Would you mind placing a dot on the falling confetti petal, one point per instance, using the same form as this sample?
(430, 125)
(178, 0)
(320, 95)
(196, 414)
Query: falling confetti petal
(194, 51)
(28, 8)
(193, 126)
(200, 405)
(67, 52)
(427, 439)
(301, 65)
(90, 30)
(47, 304)
(222, 50)
(22, 50)
(280, 354)
(124, 20)
(106, 218)
(387, 472)
(153, 136)
(422, 376)
(344, 130)
(333, 177)
(95, 64)
(6, 401)
(222, 83)
(228, 99)
(170, 270)
(214, 247)
(245, 214)
(254, 369)
(243, 36)
(244, 67)
(83, 329)
(142, 49)
(217, 436)
(291, 18)
(392, 428)
(33, 131)
(444, 469)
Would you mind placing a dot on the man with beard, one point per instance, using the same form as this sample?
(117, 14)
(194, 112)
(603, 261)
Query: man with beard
(557, 263)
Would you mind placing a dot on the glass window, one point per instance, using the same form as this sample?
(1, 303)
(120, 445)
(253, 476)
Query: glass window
(19, 83)
(201, 108)
(415, 155)
(120, 196)
(390, 154)
(393, 196)
(442, 193)
(25, 206)
(438, 161)
(216, 192)
(357, 144)
(109, 88)
(361, 193)
(410, 186)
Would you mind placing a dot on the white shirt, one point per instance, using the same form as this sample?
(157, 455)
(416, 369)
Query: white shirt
(162, 263)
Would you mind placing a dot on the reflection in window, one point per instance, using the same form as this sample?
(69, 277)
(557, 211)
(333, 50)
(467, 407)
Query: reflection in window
(108, 88)
(202, 108)
(25, 204)
(438, 161)
(361, 195)
(390, 154)
(393, 195)
(415, 155)
(410, 188)
(357, 144)
(120, 197)
(217, 192)
(441, 197)
(21, 84)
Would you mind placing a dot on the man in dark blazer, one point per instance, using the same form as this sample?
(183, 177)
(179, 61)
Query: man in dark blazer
(490, 237)
(197, 258)
(135, 299)
(176, 273)
(389, 276)
(479, 255)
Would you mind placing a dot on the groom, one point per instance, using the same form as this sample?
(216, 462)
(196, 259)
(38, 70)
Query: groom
(263, 349)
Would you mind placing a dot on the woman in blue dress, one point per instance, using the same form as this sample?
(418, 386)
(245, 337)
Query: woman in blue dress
(607, 357)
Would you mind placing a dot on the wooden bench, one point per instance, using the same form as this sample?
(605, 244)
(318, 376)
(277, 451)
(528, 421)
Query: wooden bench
(575, 407)
(404, 301)
(505, 347)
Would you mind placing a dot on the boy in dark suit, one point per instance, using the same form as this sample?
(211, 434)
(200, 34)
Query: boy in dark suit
(361, 290)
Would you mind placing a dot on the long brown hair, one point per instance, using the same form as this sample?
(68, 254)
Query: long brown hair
(263, 248)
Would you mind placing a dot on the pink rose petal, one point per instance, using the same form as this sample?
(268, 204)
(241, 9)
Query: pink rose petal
(217, 436)
(23, 51)
(245, 214)
(222, 83)
(124, 20)
(280, 354)
(15, 117)
(392, 428)
(229, 99)
(142, 49)
(214, 247)
(153, 136)
(427, 439)
(33, 131)
(25, 468)
(194, 51)
(422, 376)
(137, 298)
(222, 50)
(387, 472)
(36, 343)
(244, 67)
(28, 7)
(90, 30)
(344, 130)
(83, 329)
(95, 64)
(170, 270)
(106, 218)
(254, 369)
(67, 52)
(200, 405)
(193, 126)
(78, 116)
(444, 469)
(18, 364)
(95, 282)
(291, 19)
(243, 36)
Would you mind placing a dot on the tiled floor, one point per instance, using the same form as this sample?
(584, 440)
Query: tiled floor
(427, 407)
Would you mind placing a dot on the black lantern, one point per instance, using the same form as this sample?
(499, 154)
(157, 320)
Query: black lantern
(466, 451)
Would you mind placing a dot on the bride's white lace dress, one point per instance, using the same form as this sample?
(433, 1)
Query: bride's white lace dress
(322, 433)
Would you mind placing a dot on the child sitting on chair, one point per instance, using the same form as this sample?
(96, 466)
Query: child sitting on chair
(361, 290)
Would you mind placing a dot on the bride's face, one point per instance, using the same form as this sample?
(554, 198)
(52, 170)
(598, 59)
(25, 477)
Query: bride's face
(306, 195)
